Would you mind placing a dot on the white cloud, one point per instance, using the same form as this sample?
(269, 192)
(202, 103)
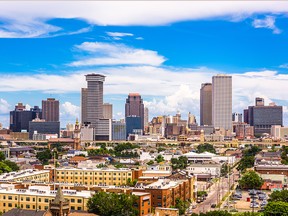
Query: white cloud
(69, 110)
(124, 13)
(284, 66)
(4, 106)
(119, 35)
(139, 38)
(116, 54)
(268, 22)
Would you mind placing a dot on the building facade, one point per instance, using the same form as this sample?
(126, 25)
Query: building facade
(43, 127)
(107, 111)
(118, 130)
(50, 110)
(134, 107)
(92, 99)
(206, 104)
(222, 102)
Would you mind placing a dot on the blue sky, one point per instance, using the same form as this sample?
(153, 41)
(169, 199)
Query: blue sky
(163, 50)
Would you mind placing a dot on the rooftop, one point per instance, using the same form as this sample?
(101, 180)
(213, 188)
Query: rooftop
(21, 173)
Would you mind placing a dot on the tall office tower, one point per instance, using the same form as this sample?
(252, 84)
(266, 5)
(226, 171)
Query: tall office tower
(146, 117)
(206, 104)
(191, 119)
(222, 101)
(263, 117)
(134, 107)
(246, 116)
(107, 111)
(84, 105)
(92, 99)
(237, 117)
(20, 117)
(50, 110)
(259, 101)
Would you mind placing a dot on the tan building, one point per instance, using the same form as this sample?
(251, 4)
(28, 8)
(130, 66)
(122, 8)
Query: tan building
(94, 176)
(166, 211)
(26, 175)
(107, 111)
(38, 198)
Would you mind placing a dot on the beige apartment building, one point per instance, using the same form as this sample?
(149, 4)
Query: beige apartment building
(26, 175)
(92, 176)
(38, 197)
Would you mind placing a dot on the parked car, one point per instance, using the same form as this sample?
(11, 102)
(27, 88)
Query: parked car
(254, 205)
(213, 205)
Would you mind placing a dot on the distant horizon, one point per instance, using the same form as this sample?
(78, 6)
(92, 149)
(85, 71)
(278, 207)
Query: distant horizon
(163, 50)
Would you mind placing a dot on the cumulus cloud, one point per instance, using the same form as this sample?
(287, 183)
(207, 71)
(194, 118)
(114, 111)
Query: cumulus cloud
(69, 111)
(116, 54)
(284, 66)
(4, 106)
(127, 13)
(268, 22)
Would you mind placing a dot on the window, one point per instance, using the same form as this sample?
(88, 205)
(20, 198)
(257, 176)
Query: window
(9, 197)
(72, 207)
(79, 208)
(9, 204)
(27, 198)
(46, 200)
(72, 200)
(4, 197)
(27, 206)
(33, 199)
(79, 201)
(33, 207)
(39, 199)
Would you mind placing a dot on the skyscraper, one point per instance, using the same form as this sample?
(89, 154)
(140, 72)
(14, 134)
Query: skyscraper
(222, 101)
(92, 99)
(206, 104)
(50, 110)
(134, 107)
(107, 111)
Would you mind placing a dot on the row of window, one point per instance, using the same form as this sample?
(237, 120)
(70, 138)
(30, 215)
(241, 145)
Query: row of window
(100, 178)
(28, 206)
(46, 200)
(109, 173)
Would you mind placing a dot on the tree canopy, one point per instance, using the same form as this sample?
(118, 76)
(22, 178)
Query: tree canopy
(279, 196)
(6, 165)
(112, 204)
(251, 180)
(179, 163)
(206, 147)
(159, 158)
(276, 209)
(44, 156)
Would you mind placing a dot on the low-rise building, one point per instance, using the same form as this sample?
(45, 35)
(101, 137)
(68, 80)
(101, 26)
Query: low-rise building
(94, 176)
(38, 197)
(26, 175)
(166, 211)
(209, 167)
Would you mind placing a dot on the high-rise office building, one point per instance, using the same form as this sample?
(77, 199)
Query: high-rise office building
(84, 106)
(237, 117)
(134, 107)
(20, 117)
(264, 117)
(222, 102)
(206, 104)
(92, 99)
(50, 110)
(107, 111)
(146, 117)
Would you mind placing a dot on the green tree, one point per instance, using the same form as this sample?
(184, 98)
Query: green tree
(216, 213)
(4, 168)
(112, 204)
(276, 209)
(246, 162)
(224, 169)
(279, 196)
(206, 147)
(131, 183)
(44, 156)
(2, 156)
(159, 159)
(201, 193)
(181, 205)
(179, 163)
(251, 180)
(151, 162)
(12, 165)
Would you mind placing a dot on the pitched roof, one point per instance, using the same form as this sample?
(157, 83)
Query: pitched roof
(59, 197)
(23, 212)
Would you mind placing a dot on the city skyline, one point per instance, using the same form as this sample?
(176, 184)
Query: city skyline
(164, 51)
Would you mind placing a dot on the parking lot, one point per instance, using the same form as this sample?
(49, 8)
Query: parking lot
(247, 202)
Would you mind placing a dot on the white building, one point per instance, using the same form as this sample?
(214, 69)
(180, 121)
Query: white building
(212, 168)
